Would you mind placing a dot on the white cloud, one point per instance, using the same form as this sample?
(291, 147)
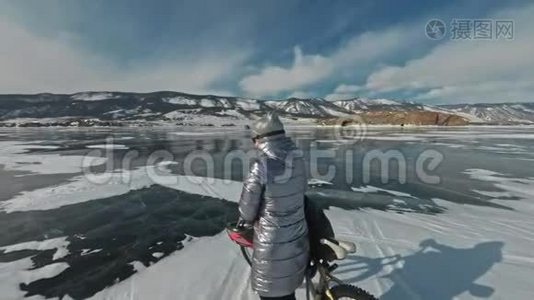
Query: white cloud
(344, 91)
(483, 71)
(273, 79)
(492, 91)
(30, 63)
(309, 69)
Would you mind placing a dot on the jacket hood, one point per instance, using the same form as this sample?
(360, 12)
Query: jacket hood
(277, 146)
(270, 123)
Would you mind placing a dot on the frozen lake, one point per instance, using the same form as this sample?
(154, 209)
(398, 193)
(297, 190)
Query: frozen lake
(452, 215)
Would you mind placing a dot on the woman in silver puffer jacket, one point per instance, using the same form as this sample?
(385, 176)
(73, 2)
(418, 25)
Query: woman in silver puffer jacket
(273, 199)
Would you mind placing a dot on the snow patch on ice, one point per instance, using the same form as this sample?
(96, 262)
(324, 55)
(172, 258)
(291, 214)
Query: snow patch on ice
(374, 189)
(219, 266)
(138, 266)
(450, 145)
(482, 174)
(79, 189)
(90, 251)
(393, 138)
(167, 163)
(43, 147)
(197, 133)
(47, 271)
(315, 181)
(60, 244)
(104, 185)
(521, 188)
(108, 146)
(212, 187)
(14, 157)
(21, 271)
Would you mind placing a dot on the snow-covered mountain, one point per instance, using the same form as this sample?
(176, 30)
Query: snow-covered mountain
(108, 106)
(309, 107)
(500, 113)
(209, 109)
(363, 104)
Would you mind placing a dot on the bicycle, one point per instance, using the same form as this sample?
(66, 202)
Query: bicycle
(328, 287)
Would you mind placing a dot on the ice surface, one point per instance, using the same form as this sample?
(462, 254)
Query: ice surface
(399, 256)
(463, 252)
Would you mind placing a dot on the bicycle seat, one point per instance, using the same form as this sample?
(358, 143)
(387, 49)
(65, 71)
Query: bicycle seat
(340, 248)
(349, 246)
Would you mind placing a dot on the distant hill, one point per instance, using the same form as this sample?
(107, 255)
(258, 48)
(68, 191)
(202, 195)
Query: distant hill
(112, 108)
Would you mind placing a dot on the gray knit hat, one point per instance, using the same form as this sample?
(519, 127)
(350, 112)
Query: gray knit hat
(267, 125)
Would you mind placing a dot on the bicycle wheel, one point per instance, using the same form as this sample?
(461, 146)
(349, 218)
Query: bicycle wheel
(345, 291)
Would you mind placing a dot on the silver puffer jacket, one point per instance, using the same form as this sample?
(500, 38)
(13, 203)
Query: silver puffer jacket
(273, 198)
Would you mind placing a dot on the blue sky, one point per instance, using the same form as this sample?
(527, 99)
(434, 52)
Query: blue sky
(265, 49)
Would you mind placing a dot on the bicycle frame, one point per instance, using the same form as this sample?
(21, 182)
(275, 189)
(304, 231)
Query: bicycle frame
(325, 277)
